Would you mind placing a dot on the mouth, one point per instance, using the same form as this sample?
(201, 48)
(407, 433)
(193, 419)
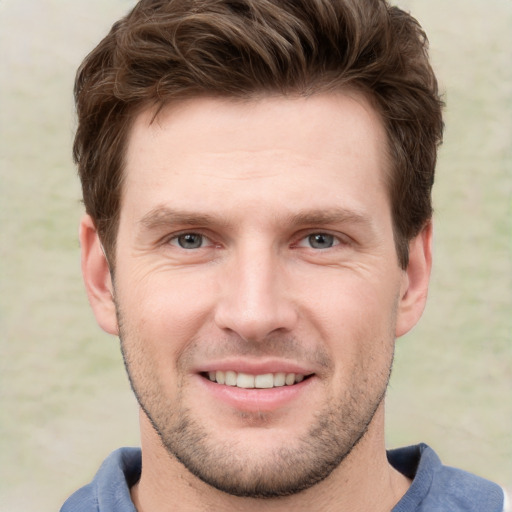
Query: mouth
(249, 381)
(251, 387)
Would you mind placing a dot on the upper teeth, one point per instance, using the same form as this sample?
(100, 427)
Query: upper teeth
(245, 380)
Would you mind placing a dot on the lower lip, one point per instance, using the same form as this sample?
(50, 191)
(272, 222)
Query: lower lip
(256, 400)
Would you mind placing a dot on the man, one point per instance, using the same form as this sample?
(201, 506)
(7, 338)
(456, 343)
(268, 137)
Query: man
(257, 180)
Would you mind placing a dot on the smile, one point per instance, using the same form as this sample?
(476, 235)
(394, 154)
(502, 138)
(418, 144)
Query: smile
(248, 381)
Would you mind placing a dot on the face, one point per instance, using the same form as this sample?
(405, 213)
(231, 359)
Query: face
(257, 286)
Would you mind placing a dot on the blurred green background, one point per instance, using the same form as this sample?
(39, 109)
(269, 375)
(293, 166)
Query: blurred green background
(65, 401)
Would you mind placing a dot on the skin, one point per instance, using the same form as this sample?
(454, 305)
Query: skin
(253, 183)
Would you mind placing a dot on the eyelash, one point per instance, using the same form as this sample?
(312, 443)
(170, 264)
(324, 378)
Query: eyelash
(333, 238)
(175, 238)
(336, 240)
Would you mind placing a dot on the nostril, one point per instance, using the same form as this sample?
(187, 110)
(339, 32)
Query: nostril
(256, 324)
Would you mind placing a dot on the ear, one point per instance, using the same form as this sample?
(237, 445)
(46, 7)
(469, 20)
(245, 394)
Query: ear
(415, 281)
(97, 278)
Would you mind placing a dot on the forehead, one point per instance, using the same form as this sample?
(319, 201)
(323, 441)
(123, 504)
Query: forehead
(255, 150)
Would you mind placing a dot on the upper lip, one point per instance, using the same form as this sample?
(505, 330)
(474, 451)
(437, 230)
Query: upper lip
(255, 367)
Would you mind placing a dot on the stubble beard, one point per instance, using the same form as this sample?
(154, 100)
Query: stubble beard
(237, 470)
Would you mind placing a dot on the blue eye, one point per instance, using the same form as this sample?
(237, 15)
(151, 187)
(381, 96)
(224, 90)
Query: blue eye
(321, 241)
(189, 240)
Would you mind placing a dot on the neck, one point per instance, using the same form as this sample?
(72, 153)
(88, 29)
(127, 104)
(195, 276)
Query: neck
(363, 481)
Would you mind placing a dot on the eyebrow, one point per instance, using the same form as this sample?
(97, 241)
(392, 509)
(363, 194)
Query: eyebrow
(162, 216)
(329, 216)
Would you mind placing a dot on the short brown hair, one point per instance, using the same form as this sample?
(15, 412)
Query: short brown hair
(167, 50)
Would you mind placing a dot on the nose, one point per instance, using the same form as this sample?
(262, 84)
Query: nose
(255, 300)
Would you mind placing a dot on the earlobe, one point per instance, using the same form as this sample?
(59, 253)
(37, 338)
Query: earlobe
(415, 281)
(96, 275)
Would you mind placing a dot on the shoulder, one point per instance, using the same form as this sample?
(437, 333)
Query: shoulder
(439, 488)
(109, 491)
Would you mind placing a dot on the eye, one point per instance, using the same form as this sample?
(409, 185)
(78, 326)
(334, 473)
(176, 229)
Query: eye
(189, 240)
(319, 241)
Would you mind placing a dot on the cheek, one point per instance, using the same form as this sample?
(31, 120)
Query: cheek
(344, 302)
(357, 317)
(162, 313)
